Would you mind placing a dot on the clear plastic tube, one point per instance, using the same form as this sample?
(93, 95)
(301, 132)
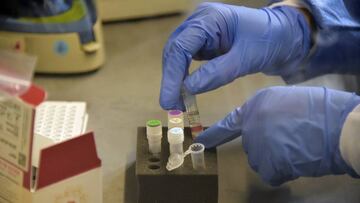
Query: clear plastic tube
(176, 139)
(154, 145)
(192, 112)
(16, 72)
(175, 114)
(175, 122)
(197, 156)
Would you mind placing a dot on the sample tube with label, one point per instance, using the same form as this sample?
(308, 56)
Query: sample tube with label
(192, 112)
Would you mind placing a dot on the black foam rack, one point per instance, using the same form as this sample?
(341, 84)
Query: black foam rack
(182, 185)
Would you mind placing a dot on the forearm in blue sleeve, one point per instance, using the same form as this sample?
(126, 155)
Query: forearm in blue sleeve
(336, 40)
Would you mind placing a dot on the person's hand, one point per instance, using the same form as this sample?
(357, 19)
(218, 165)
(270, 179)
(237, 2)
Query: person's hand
(236, 41)
(288, 132)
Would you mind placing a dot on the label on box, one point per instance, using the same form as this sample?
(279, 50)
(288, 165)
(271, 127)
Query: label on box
(11, 179)
(15, 132)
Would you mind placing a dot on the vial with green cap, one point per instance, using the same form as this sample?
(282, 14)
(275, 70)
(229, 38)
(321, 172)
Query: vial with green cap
(154, 135)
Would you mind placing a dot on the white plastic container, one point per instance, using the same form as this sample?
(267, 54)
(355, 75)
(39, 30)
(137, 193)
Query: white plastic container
(154, 135)
(176, 139)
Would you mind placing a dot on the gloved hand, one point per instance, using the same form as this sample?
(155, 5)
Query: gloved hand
(288, 132)
(237, 41)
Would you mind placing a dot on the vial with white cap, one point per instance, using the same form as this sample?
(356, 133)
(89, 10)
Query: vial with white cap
(176, 138)
(154, 135)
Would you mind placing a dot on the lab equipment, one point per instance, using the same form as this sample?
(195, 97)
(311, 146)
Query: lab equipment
(175, 114)
(175, 122)
(156, 183)
(192, 112)
(197, 156)
(60, 120)
(297, 137)
(57, 121)
(66, 36)
(237, 41)
(154, 135)
(175, 161)
(176, 138)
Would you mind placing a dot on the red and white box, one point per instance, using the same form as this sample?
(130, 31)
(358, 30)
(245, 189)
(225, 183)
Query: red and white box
(64, 172)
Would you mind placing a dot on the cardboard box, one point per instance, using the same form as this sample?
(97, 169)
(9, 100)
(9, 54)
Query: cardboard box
(67, 172)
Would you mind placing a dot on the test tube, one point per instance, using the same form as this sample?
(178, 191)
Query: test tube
(154, 135)
(192, 112)
(197, 156)
(175, 114)
(176, 139)
(175, 123)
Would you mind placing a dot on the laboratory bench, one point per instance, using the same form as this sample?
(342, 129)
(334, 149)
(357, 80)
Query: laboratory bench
(123, 95)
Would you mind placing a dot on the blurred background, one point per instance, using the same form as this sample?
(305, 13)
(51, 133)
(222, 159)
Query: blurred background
(117, 71)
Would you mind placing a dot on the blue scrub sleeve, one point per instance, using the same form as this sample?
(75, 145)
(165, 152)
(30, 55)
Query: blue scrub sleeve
(336, 47)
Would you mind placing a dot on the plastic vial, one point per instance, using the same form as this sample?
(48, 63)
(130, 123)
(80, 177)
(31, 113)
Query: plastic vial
(176, 139)
(175, 161)
(154, 135)
(176, 123)
(192, 112)
(197, 156)
(175, 114)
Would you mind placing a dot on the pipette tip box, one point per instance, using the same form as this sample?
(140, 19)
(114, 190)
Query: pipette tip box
(157, 185)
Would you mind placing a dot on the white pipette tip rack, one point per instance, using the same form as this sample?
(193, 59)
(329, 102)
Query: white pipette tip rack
(60, 121)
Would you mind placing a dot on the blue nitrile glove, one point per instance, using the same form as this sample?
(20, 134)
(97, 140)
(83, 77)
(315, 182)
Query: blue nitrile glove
(57, 6)
(237, 41)
(288, 132)
(43, 8)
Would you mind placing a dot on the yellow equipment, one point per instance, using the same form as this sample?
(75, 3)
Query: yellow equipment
(67, 42)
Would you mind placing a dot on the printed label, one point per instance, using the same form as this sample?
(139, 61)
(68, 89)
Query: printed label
(11, 180)
(15, 132)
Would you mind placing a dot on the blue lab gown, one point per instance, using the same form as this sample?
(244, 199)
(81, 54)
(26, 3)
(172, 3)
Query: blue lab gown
(336, 46)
